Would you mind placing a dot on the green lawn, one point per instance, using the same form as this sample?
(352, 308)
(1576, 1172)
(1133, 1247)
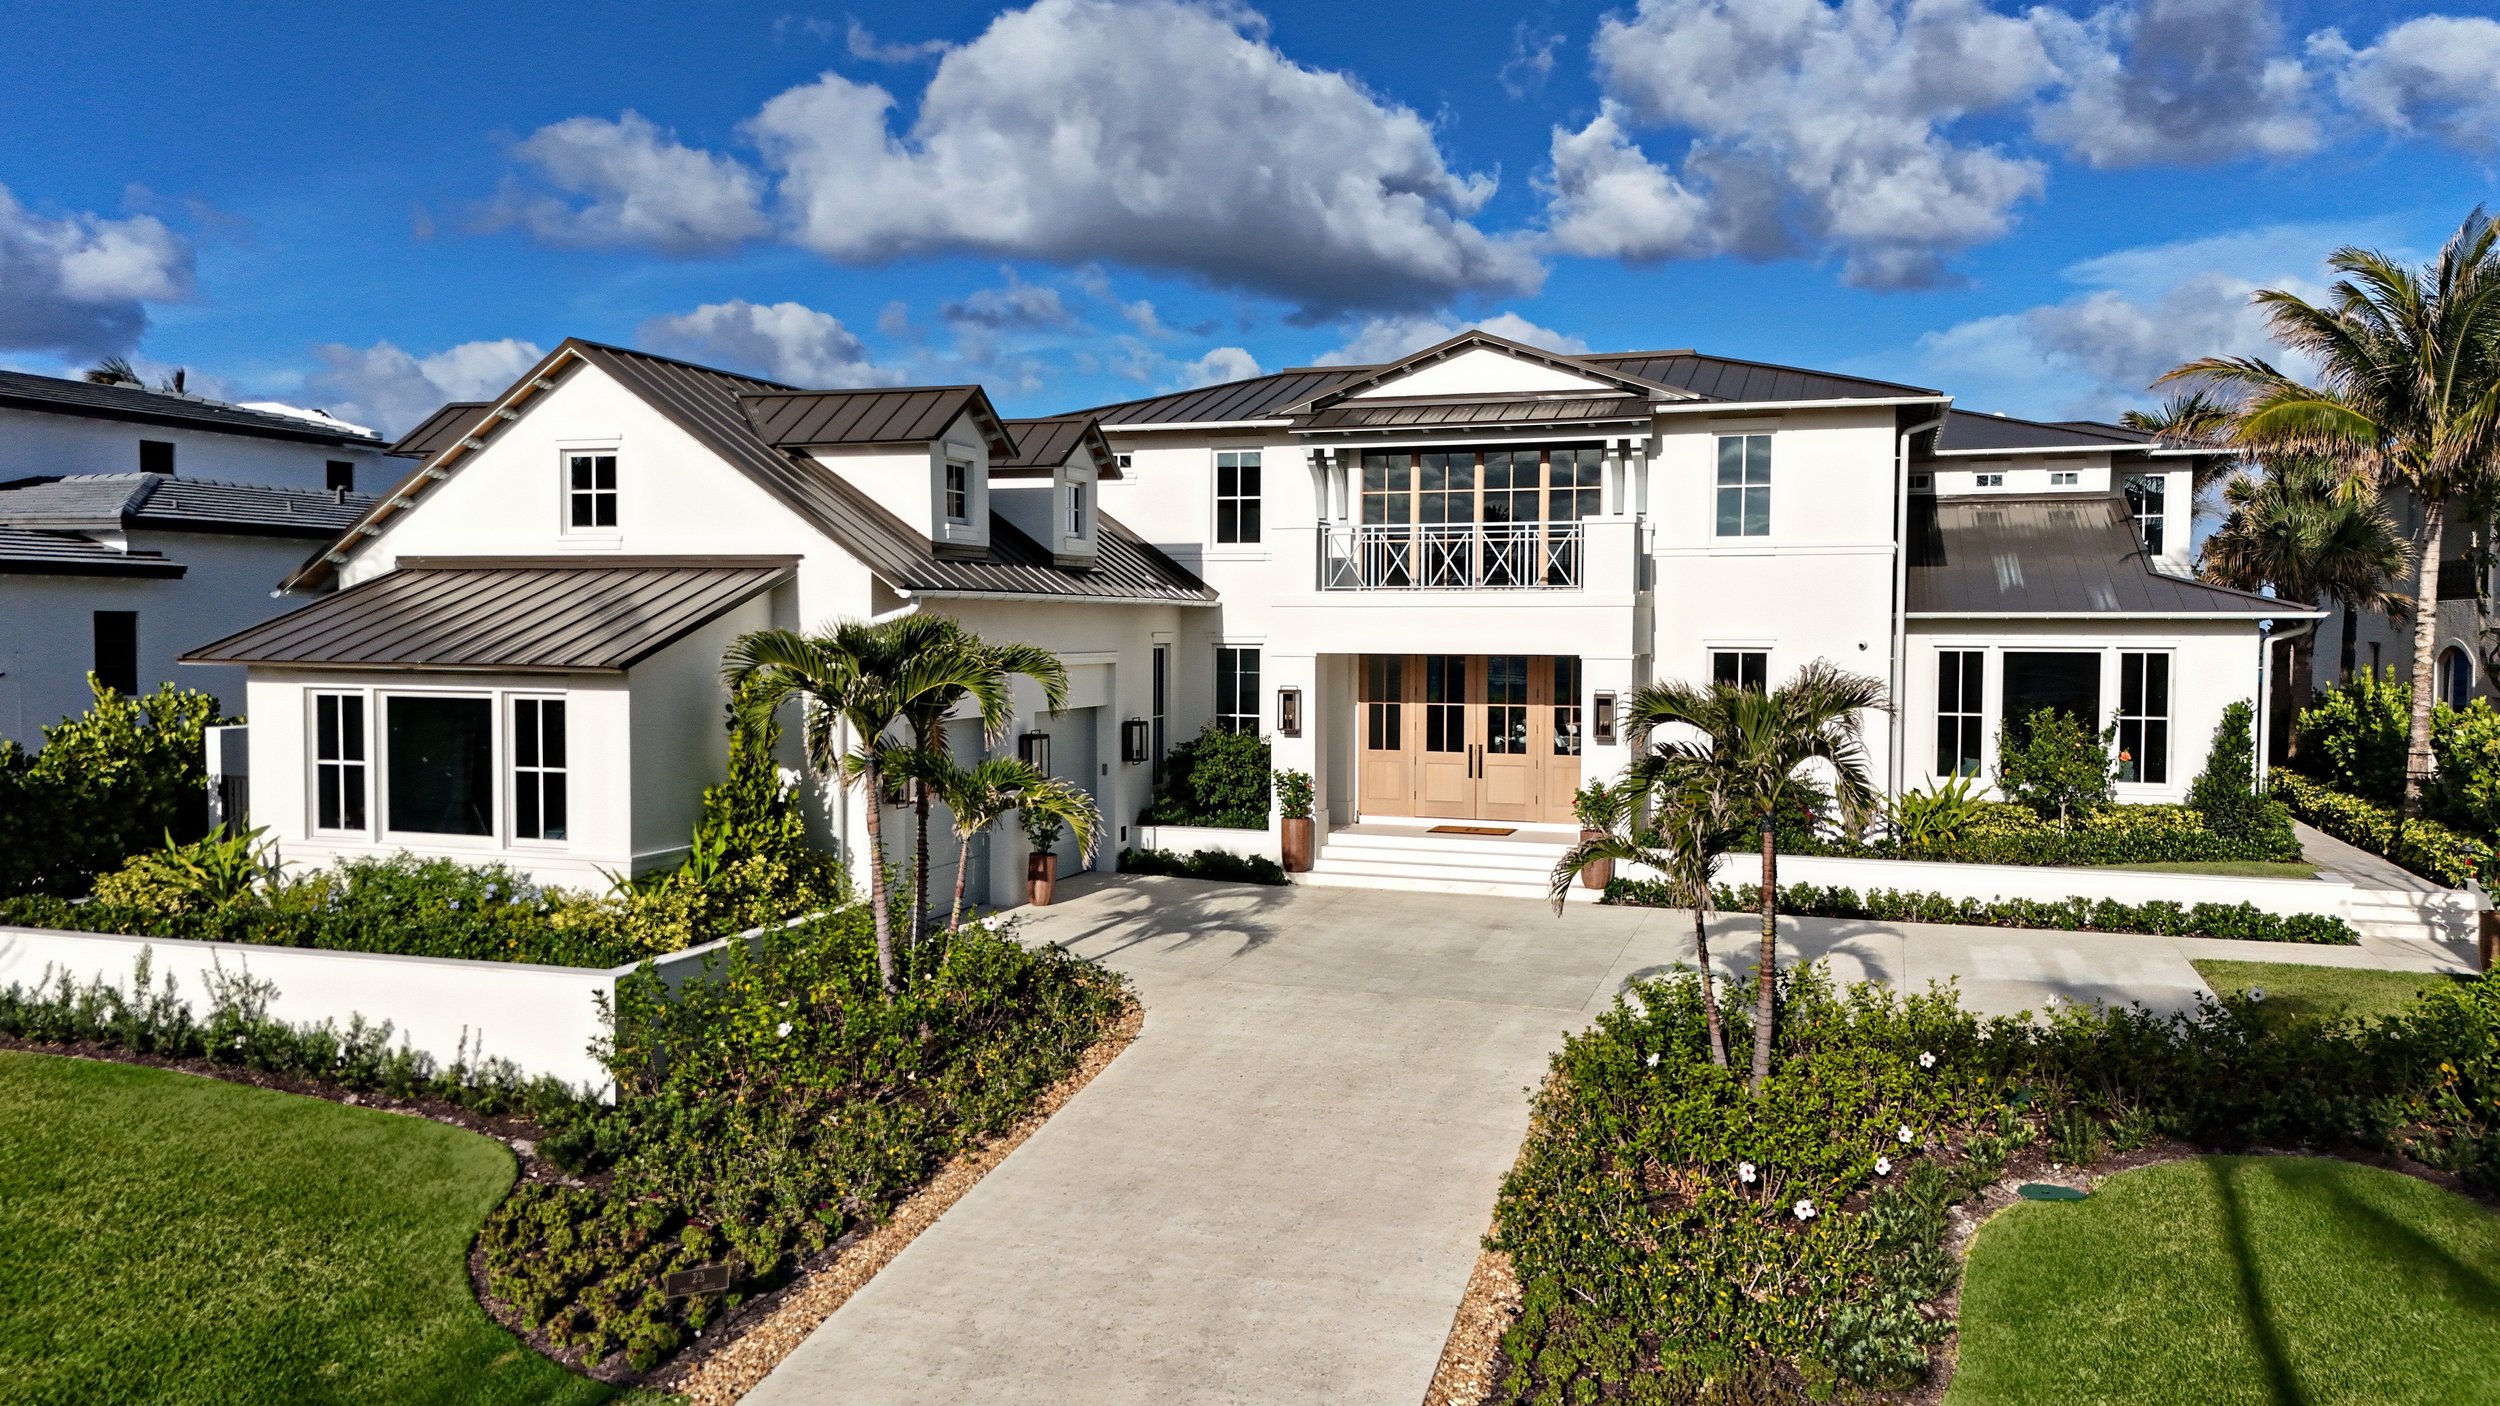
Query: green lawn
(165, 1238)
(2236, 1281)
(2331, 990)
(2235, 868)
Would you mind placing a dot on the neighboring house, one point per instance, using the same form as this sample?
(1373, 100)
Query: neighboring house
(2467, 652)
(1433, 583)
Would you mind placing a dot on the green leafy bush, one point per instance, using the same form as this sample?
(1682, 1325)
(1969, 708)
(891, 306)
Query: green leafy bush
(2465, 791)
(105, 786)
(2426, 847)
(2240, 921)
(1218, 864)
(1218, 779)
(2000, 832)
(768, 1112)
(2054, 763)
(1293, 794)
(2225, 795)
(1937, 819)
(1654, 1217)
(2354, 737)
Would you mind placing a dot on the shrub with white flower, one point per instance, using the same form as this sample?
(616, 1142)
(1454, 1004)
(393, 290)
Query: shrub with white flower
(1653, 1059)
(1745, 1173)
(2256, 993)
(1927, 1059)
(784, 1031)
(1883, 1166)
(1907, 1137)
(1804, 1210)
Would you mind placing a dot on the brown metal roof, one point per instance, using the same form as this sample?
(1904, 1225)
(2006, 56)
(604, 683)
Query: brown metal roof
(24, 552)
(1973, 431)
(1475, 339)
(2052, 554)
(1428, 414)
(1127, 568)
(440, 430)
(902, 415)
(1044, 445)
(527, 615)
(1258, 398)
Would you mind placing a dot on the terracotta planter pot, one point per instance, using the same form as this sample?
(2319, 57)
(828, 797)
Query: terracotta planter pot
(1297, 845)
(1597, 873)
(1041, 879)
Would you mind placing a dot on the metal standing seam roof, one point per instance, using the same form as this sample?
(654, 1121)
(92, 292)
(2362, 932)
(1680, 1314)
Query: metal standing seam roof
(1043, 445)
(110, 501)
(439, 430)
(1383, 415)
(907, 415)
(1973, 431)
(23, 390)
(2053, 554)
(1127, 569)
(28, 552)
(515, 615)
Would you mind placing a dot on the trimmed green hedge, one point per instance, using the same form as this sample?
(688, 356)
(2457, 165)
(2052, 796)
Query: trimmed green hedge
(1204, 864)
(2425, 847)
(2240, 921)
(2001, 832)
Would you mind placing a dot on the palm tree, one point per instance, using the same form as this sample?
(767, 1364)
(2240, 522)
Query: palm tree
(863, 679)
(2408, 397)
(115, 370)
(1680, 845)
(2298, 528)
(1755, 752)
(925, 718)
(980, 796)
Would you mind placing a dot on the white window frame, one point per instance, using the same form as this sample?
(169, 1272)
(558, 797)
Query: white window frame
(1248, 714)
(498, 832)
(955, 503)
(2064, 478)
(508, 748)
(2142, 721)
(1751, 477)
(1078, 525)
(2158, 516)
(364, 766)
(1992, 479)
(1740, 653)
(1967, 662)
(1254, 502)
(566, 492)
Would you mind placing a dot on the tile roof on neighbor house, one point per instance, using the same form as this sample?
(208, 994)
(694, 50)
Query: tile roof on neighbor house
(439, 430)
(104, 502)
(710, 405)
(2052, 554)
(1044, 445)
(28, 552)
(523, 615)
(21, 390)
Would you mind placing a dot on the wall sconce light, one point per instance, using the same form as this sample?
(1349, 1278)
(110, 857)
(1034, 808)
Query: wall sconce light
(1136, 741)
(1034, 749)
(1602, 727)
(1289, 712)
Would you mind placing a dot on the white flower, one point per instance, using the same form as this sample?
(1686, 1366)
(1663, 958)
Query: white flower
(490, 890)
(1804, 1210)
(2256, 993)
(455, 905)
(789, 778)
(785, 1030)
(1907, 1137)
(1883, 1166)
(1653, 1059)
(1745, 1173)
(2050, 1002)
(1927, 1059)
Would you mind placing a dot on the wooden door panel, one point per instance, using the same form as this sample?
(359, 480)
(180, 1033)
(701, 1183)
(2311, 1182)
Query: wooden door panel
(1561, 738)
(1385, 722)
(1509, 762)
(1447, 733)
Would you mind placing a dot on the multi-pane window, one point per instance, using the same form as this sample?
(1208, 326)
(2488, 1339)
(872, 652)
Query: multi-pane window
(117, 651)
(2064, 478)
(1237, 495)
(958, 491)
(1506, 705)
(1237, 689)
(1566, 705)
(1744, 485)
(1960, 674)
(1076, 510)
(590, 491)
(1162, 673)
(2146, 495)
(1445, 702)
(538, 775)
(1988, 480)
(1384, 702)
(338, 761)
(2143, 717)
(1745, 668)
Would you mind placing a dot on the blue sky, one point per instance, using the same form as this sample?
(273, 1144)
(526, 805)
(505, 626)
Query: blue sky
(373, 208)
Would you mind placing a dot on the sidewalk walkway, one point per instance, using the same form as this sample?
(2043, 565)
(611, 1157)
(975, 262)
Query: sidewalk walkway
(1276, 1194)
(2364, 869)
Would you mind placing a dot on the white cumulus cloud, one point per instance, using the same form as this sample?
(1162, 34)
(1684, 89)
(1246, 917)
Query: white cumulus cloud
(78, 285)
(2438, 74)
(786, 342)
(392, 390)
(627, 182)
(2176, 82)
(1219, 364)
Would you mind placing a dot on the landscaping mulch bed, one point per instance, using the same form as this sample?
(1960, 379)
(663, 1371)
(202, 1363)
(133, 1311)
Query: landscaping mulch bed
(1471, 1360)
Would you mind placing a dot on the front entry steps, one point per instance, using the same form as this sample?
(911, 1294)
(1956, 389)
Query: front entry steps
(1406, 855)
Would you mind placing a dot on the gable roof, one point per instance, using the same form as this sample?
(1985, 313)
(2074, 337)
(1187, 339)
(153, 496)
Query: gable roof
(1043, 446)
(2053, 555)
(710, 406)
(1477, 339)
(25, 552)
(840, 419)
(23, 390)
(1977, 432)
(440, 429)
(107, 502)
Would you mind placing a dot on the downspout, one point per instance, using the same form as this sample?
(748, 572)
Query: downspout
(1899, 669)
(2264, 739)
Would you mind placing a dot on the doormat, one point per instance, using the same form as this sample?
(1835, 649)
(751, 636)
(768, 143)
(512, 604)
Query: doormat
(1472, 830)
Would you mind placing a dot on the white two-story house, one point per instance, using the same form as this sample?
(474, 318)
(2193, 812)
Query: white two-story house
(1431, 583)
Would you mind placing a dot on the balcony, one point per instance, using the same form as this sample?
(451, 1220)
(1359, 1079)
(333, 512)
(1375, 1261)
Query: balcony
(1459, 556)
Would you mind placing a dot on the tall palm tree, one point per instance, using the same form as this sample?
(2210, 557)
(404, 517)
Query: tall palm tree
(1757, 753)
(2297, 527)
(861, 678)
(1679, 844)
(925, 718)
(2408, 396)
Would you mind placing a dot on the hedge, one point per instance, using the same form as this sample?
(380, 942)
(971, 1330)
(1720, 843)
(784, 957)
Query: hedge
(1204, 864)
(1679, 1238)
(2240, 921)
(2425, 847)
(2002, 832)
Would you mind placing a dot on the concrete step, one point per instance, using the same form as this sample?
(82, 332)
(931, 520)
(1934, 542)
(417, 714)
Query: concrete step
(1490, 848)
(1411, 883)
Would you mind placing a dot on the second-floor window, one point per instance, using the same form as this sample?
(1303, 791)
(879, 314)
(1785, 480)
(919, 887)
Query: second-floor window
(339, 475)
(2146, 500)
(1076, 510)
(1745, 668)
(2066, 478)
(1237, 495)
(1744, 507)
(590, 491)
(958, 491)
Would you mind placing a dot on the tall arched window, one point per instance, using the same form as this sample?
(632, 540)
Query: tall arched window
(2456, 677)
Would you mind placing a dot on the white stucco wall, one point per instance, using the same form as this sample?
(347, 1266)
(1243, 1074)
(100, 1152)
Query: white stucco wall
(40, 442)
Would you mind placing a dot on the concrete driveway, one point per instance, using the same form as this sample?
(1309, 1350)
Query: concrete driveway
(1276, 1194)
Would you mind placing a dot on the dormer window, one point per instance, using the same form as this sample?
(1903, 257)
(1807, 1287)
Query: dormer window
(590, 491)
(1076, 510)
(958, 491)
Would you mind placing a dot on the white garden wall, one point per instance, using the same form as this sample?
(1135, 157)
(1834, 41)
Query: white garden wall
(1189, 839)
(2326, 896)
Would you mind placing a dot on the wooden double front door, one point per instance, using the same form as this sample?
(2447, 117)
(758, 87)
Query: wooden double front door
(1470, 736)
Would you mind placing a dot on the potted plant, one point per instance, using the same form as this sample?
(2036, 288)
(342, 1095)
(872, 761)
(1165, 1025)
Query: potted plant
(1041, 867)
(1293, 799)
(1599, 808)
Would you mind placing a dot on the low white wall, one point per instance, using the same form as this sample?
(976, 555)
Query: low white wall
(1188, 839)
(541, 1018)
(2329, 897)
